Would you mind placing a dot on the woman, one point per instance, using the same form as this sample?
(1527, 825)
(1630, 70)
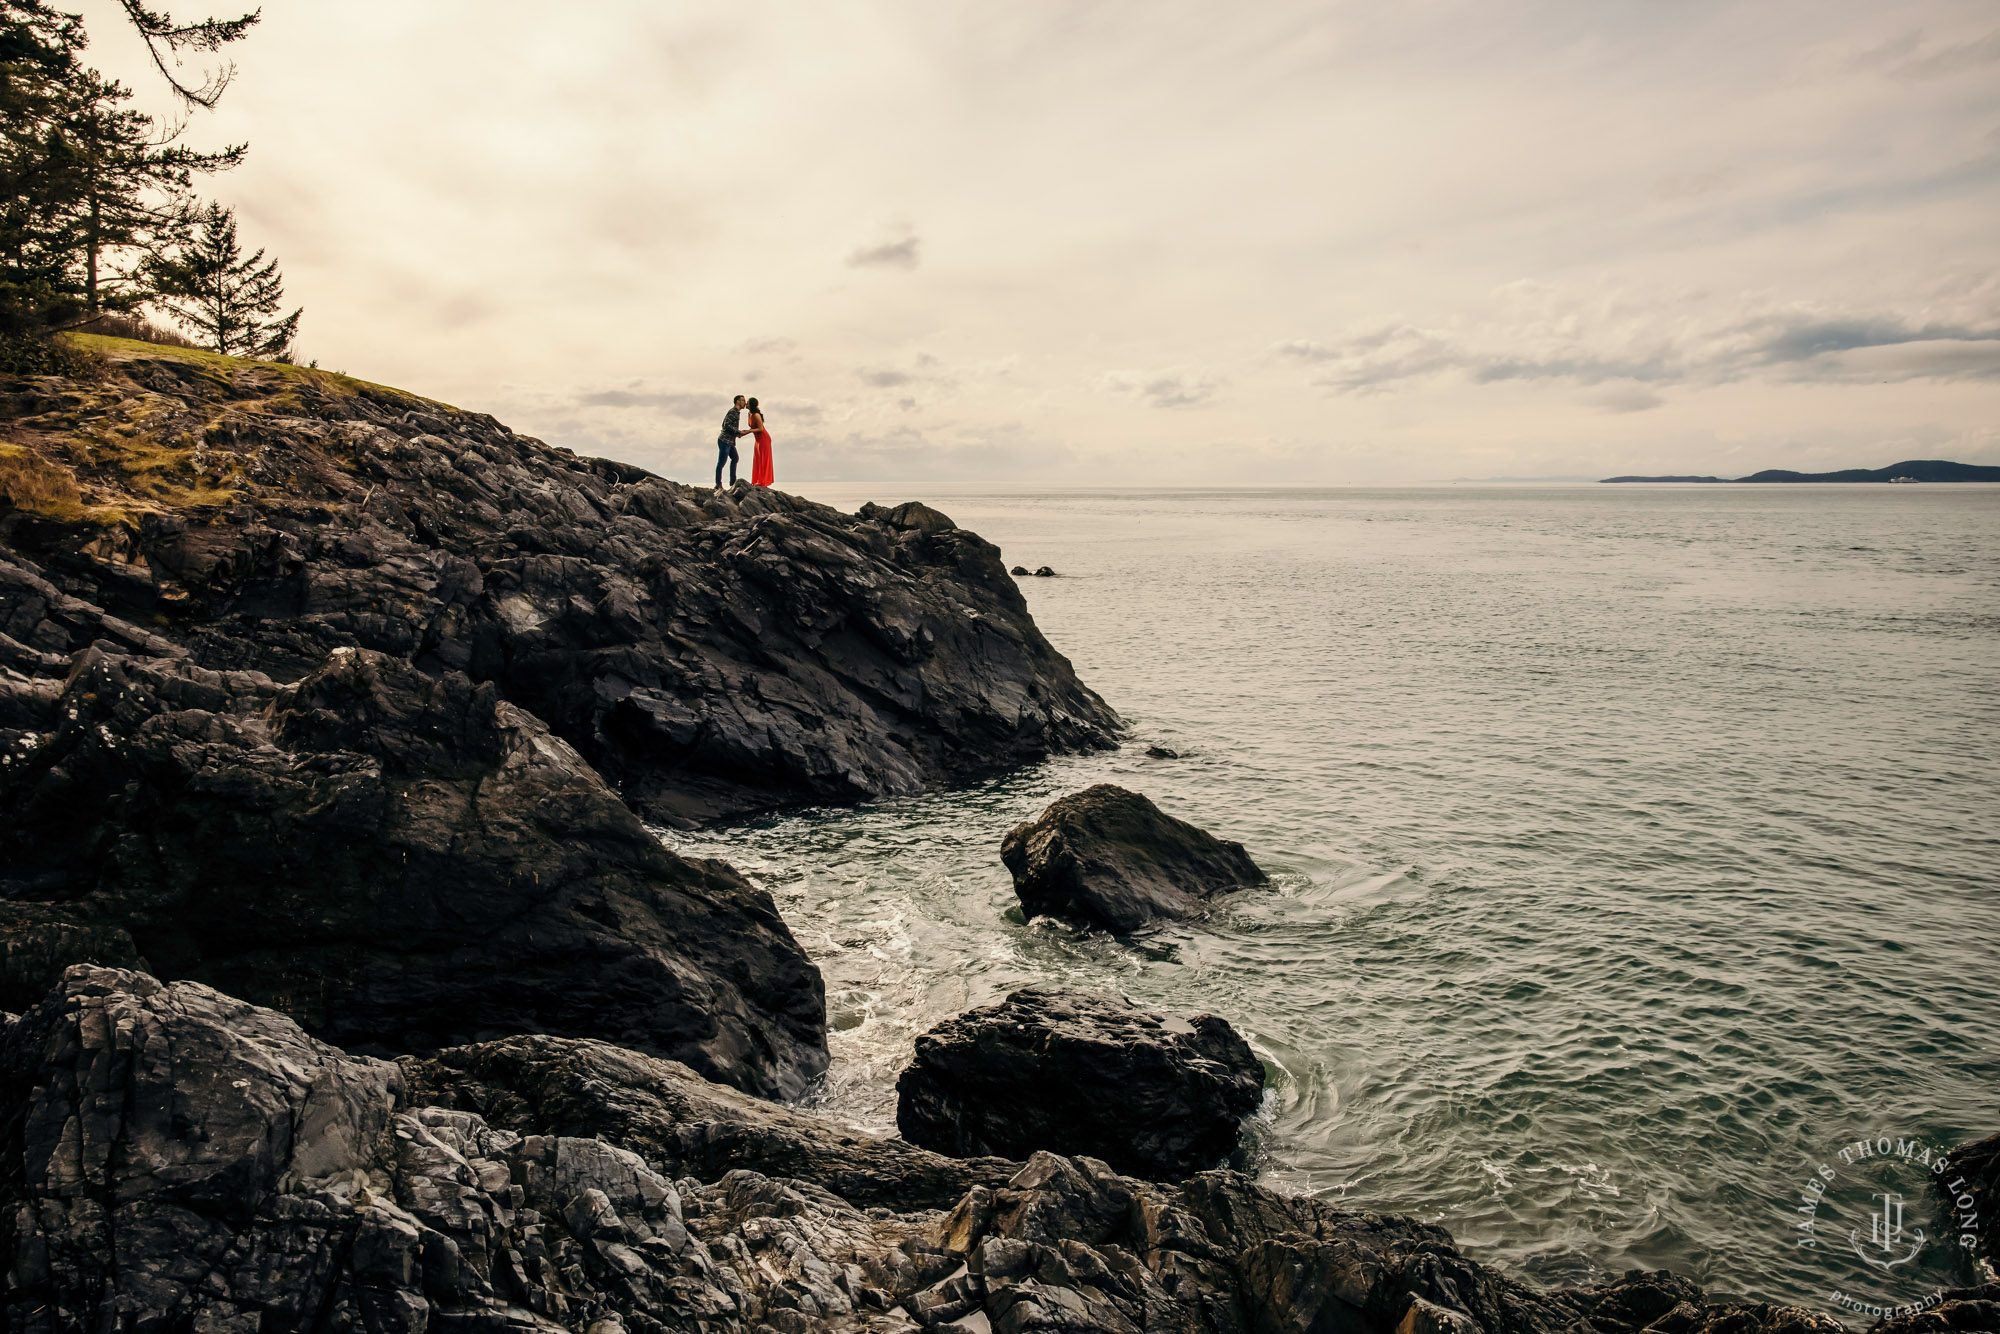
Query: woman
(761, 472)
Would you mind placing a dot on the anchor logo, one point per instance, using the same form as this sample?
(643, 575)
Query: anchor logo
(1885, 1232)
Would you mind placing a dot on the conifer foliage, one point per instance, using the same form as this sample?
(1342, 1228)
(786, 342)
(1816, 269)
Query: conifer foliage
(96, 197)
(230, 303)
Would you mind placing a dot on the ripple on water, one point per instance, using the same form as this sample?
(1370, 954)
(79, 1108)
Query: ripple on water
(1631, 849)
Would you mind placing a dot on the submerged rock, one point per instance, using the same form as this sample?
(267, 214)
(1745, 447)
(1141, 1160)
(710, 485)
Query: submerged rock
(400, 862)
(1071, 1072)
(1111, 858)
(1044, 572)
(1018, 570)
(171, 1158)
(1162, 753)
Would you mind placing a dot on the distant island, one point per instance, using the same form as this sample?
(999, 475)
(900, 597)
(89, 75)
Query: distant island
(1913, 470)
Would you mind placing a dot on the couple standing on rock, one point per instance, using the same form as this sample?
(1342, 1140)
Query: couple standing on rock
(734, 427)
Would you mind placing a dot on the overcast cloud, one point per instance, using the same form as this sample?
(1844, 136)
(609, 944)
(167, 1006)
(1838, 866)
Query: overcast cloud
(1043, 241)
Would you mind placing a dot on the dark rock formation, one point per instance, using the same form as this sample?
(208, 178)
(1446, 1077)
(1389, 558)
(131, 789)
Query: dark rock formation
(1044, 572)
(1018, 569)
(1162, 753)
(1956, 1309)
(171, 1159)
(414, 848)
(1111, 858)
(1075, 1073)
(401, 862)
(683, 1124)
(1974, 1170)
(710, 654)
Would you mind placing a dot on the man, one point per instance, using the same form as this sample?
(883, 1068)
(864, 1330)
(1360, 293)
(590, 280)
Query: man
(726, 442)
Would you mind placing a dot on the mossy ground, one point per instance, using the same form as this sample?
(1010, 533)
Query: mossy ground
(105, 447)
(227, 368)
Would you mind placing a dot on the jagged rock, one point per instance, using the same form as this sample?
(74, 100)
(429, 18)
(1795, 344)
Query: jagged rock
(1112, 858)
(1974, 1170)
(400, 862)
(1154, 1095)
(1956, 1309)
(1162, 753)
(685, 1124)
(171, 1159)
(710, 654)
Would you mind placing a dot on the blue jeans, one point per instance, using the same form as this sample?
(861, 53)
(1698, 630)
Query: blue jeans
(726, 454)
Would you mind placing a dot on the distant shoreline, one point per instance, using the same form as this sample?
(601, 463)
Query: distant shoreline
(1911, 470)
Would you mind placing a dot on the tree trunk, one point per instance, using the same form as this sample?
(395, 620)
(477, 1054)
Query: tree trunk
(90, 255)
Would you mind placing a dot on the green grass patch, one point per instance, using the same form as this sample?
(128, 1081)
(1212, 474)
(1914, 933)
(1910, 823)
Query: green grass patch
(227, 368)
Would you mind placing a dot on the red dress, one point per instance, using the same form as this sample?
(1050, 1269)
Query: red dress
(761, 471)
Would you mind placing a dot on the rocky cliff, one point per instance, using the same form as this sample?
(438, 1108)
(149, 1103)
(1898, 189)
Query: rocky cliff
(352, 704)
(709, 654)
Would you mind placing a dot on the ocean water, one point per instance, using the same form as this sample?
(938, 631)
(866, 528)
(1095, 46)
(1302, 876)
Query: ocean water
(1634, 849)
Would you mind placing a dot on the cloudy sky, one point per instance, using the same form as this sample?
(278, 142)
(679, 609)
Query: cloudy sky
(1149, 241)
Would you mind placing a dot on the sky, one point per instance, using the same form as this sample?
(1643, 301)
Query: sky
(1149, 242)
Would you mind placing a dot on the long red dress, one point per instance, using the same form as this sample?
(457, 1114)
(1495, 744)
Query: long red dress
(761, 471)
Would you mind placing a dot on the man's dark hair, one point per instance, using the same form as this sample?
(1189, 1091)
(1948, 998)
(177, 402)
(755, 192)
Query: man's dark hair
(737, 399)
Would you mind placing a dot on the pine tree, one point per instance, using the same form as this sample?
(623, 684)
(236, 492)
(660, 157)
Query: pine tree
(38, 49)
(89, 189)
(228, 302)
(129, 188)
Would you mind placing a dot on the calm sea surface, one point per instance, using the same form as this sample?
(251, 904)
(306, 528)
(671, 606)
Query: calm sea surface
(1635, 847)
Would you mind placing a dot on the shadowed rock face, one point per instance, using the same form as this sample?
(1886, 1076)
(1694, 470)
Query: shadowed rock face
(401, 862)
(172, 1159)
(1111, 858)
(1074, 1073)
(711, 655)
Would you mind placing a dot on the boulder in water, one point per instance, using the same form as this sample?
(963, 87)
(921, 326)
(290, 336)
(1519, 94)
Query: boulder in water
(1072, 1072)
(1112, 858)
(1044, 572)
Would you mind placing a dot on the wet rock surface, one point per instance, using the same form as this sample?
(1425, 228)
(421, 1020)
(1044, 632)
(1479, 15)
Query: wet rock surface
(172, 1159)
(1111, 858)
(1073, 1072)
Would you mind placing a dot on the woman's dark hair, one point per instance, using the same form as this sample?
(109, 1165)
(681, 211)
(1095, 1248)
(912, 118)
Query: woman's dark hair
(753, 405)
